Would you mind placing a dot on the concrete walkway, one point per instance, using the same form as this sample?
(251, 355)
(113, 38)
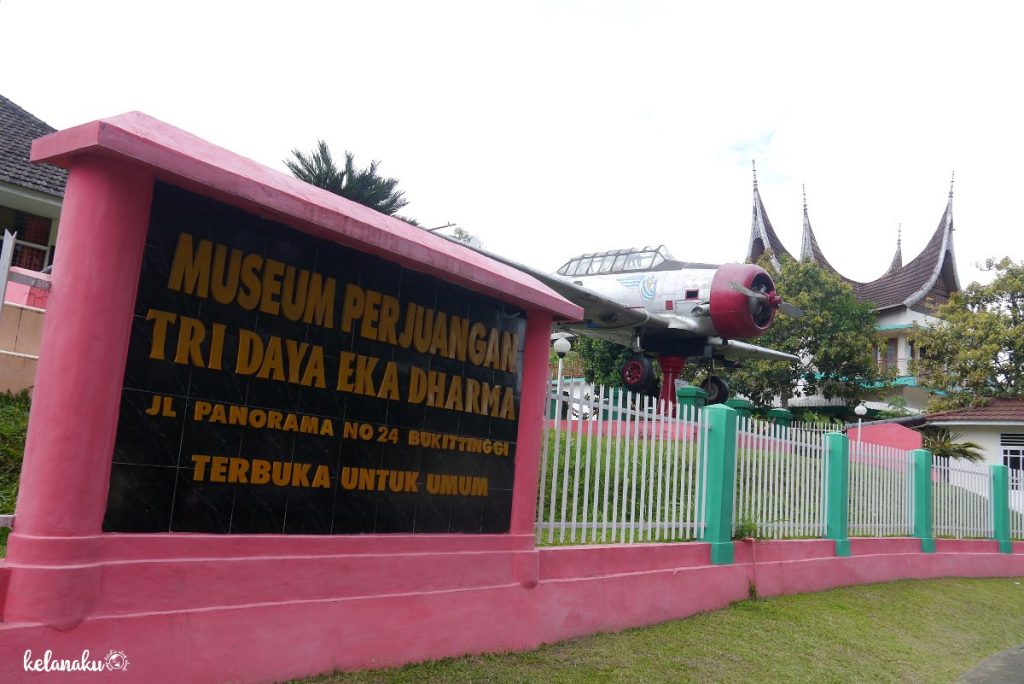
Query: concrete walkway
(1002, 668)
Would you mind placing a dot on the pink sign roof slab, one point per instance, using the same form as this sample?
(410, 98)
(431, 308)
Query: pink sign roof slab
(180, 158)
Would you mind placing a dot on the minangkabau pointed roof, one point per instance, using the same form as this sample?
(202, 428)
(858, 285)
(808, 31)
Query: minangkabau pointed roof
(762, 235)
(929, 279)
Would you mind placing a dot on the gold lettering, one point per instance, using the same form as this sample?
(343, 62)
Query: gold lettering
(217, 346)
(218, 468)
(200, 469)
(389, 310)
(161, 320)
(345, 372)
(190, 337)
(371, 312)
(190, 269)
(260, 471)
(320, 304)
(249, 293)
(293, 299)
(477, 347)
(224, 281)
(272, 272)
(237, 470)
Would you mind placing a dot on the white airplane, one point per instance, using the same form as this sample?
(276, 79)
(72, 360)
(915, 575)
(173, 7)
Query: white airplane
(675, 310)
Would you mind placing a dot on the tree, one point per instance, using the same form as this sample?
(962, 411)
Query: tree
(359, 185)
(601, 360)
(946, 444)
(976, 350)
(834, 340)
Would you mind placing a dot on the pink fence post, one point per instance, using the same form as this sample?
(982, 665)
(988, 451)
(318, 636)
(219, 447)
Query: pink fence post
(76, 400)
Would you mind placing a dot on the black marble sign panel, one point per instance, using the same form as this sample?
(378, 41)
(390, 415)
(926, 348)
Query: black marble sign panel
(281, 384)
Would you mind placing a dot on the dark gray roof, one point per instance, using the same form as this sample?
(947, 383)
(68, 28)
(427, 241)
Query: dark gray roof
(18, 129)
(929, 279)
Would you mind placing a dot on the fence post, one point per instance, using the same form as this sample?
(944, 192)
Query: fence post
(689, 395)
(923, 499)
(837, 515)
(720, 468)
(1001, 507)
(782, 417)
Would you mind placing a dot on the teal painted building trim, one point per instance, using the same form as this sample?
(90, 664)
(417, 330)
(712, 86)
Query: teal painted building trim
(719, 465)
(923, 499)
(1001, 507)
(894, 326)
(837, 486)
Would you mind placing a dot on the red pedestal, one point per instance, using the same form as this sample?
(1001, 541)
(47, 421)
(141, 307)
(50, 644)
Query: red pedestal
(671, 366)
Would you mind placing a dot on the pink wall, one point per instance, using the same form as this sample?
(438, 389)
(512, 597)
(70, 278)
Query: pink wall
(371, 602)
(27, 295)
(887, 434)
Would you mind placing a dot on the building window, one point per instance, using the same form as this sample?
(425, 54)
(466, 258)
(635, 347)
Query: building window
(1012, 445)
(32, 248)
(887, 354)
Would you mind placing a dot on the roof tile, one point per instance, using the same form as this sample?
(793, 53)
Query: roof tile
(18, 129)
(996, 411)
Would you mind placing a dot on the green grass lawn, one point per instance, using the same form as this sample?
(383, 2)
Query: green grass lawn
(908, 631)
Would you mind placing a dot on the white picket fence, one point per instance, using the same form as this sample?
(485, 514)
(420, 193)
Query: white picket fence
(820, 428)
(960, 499)
(619, 467)
(1017, 504)
(622, 468)
(780, 480)
(881, 491)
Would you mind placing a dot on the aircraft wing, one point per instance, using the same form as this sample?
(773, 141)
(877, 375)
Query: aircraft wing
(735, 349)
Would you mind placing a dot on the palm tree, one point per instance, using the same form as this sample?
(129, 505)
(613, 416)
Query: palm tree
(946, 444)
(359, 185)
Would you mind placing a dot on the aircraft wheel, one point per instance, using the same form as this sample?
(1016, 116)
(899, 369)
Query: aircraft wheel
(716, 388)
(638, 373)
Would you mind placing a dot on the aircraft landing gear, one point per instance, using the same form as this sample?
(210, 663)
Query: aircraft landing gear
(637, 373)
(716, 389)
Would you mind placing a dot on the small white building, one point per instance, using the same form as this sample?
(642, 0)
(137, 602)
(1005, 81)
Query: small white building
(997, 428)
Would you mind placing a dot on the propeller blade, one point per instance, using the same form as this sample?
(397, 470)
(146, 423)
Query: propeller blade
(747, 291)
(790, 310)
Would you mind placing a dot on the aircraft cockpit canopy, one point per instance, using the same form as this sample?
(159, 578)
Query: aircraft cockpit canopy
(619, 261)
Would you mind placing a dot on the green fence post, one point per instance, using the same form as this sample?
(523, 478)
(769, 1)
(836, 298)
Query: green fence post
(923, 499)
(690, 395)
(1001, 507)
(719, 466)
(743, 407)
(837, 515)
(782, 417)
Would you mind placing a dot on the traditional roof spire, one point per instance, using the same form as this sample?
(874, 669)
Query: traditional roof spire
(951, 179)
(762, 235)
(897, 260)
(807, 236)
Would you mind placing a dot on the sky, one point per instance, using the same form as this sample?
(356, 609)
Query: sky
(549, 129)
